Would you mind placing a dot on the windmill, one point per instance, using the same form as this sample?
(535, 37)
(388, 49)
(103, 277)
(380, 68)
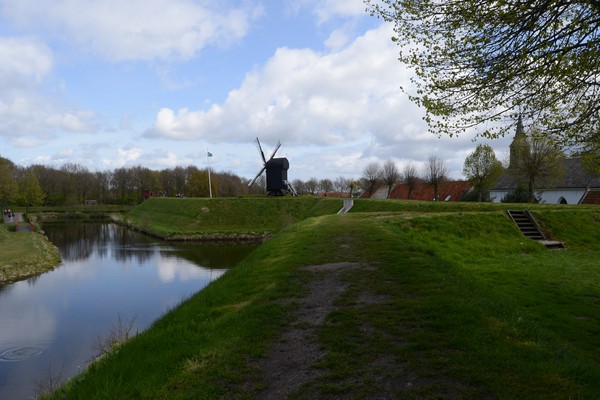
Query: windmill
(276, 173)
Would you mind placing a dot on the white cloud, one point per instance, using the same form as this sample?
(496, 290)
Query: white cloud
(136, 29)
(326, 10)
(337, 39)
(23, 59)
(303, 96)
(24, 112)
(64, 154)
(128, 155)
(346, 105)
(69, 122)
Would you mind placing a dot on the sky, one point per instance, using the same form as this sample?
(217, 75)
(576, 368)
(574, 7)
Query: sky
(158, 83)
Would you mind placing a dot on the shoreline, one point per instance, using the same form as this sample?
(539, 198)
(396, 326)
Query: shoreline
(33, 254)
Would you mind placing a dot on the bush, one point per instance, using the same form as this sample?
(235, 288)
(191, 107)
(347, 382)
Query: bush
(517, 195)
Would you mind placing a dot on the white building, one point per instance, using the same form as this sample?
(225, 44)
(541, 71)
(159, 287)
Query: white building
(577, 186)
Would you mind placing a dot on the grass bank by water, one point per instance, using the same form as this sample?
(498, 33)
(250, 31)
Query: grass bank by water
(80, 213)
(454, 305)
(24, 254)
(225, 218)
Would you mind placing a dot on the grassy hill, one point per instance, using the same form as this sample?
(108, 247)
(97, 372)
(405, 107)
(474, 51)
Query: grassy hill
(24, 254)
(414, 305)
(173, 218)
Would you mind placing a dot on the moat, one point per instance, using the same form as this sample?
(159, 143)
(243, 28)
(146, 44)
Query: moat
(51, 323)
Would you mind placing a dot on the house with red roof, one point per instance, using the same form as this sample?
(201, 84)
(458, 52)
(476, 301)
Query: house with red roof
(447, 191)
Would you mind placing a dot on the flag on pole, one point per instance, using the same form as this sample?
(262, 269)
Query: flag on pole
(208, 155)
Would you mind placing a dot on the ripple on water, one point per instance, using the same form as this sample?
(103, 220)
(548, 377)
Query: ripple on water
(19, 353)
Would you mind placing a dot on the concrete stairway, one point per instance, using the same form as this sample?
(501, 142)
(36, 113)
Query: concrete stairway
(531, 229)
(348, 203)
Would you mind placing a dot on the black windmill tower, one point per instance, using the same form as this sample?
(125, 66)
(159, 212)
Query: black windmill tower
(276, 173)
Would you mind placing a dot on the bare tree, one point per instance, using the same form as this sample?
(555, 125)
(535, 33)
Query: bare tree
(340, 184)
(390, 175)
(54, 379)
(326, 185)
(410, 177)
(119, 333)
(311, 185)
(435, 173)
(371, 175)
(299, 186)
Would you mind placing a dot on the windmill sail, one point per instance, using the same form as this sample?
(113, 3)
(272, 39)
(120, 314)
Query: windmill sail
(276, 169)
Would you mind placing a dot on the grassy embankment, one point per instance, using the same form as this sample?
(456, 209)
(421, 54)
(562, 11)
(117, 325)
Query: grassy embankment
(466, 307)
(48, 214)
(224, 218)
(24, 254)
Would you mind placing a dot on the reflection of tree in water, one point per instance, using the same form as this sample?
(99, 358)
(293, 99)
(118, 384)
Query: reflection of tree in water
(78, 241)
(5, 288)
(129, 244)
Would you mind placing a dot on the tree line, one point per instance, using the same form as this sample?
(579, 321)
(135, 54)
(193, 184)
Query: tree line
(434, 173)
(534, 159)
(74, 184)
(535, 162)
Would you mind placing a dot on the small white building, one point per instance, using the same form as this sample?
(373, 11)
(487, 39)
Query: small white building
(576, 187)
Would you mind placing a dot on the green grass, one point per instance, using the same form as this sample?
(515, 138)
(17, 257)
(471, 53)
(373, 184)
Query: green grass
(174, 218)
(411, 206)
(477, 311)
(48, 214)
(24, 254)
(468, 308)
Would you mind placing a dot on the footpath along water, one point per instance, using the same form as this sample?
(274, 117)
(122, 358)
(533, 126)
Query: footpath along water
(49, 324)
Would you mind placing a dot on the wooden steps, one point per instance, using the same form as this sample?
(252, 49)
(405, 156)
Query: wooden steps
(529, 227)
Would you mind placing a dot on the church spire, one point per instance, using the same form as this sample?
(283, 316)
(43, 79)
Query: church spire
(519, 140)
(520, 130)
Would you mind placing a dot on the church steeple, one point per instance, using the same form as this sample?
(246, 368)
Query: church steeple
(520, 131)
(519, 140)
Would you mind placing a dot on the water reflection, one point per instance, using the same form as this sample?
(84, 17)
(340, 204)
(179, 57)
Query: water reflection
(51, 321)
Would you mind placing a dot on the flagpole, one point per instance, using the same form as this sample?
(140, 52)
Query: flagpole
(208, 163)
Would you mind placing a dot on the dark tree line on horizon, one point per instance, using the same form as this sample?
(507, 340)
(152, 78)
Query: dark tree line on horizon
(74, 184)
(533, 160)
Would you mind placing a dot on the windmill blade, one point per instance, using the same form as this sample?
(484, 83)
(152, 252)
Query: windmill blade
(275, 151)
(261, 152)
(256, 177)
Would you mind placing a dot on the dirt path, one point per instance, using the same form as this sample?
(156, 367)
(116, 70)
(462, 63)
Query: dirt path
(292, 369)
(292, 360)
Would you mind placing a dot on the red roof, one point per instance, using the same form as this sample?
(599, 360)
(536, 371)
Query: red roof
(591, 197)
(448, 191)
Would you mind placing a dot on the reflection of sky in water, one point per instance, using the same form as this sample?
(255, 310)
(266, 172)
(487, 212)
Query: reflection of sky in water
(170, 269)
(114, 273)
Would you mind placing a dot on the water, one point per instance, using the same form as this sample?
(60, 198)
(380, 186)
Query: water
(49, 324)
